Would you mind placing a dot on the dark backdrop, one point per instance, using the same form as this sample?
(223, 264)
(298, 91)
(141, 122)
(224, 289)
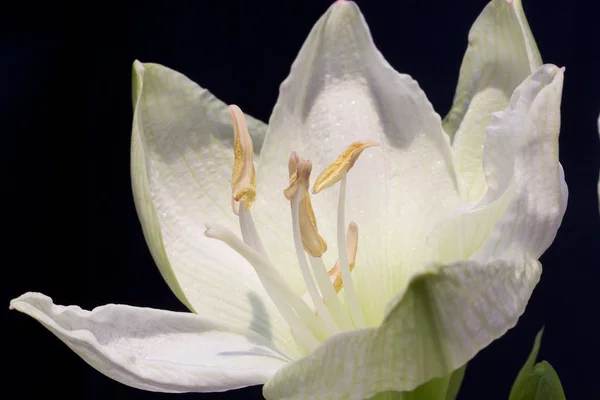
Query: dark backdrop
(69, 222)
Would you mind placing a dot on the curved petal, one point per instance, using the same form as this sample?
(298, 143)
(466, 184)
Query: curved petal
(527, 195)
(157, 350)
(182, 155)
(528, 130)
(438, 324)
(501, 54)
(340, 90)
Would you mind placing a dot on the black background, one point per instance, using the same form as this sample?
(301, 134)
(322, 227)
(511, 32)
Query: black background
(69, 222)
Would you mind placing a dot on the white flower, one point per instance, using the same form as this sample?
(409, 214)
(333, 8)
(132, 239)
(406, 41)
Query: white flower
(448, 225)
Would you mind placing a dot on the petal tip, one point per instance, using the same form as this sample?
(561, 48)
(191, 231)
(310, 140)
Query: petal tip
(14, 303)
(345, 9)
(550, 70)
(139, 67)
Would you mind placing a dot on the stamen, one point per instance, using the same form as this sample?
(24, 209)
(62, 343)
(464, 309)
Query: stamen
(304, 269)
(355, 312)
(303, 322)
(300, 192)
(335, 275)
(336, 172)
(243, 185)
(329, 295)
(312, 242)
(340, 167)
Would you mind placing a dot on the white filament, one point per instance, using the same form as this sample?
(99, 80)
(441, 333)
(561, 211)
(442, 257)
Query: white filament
(281, 294)
(249, 232)
(330, 297)
(355, 312)
(252, 239)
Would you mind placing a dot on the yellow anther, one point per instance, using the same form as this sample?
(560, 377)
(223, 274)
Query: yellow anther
(293, 163)
(312, 242)
(243, 184)
(340, 167)
(351, 247)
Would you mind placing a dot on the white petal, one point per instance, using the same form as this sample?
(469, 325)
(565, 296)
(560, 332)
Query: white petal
(438, 324)
(501, 54)
(182, 158)
(528, 131)
(157, 350)
(527, 195)
(340, 90)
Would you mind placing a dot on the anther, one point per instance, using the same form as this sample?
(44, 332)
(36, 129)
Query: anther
(243, 185)
(340, 167)
(351, 247)
(312, 242)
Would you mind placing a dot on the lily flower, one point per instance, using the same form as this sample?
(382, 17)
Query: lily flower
(358, 245)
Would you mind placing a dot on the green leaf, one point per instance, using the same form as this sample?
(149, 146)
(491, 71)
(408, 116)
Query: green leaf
(539, 381)
(455, 382)
(445, 388)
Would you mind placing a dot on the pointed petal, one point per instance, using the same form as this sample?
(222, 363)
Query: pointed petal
(501, 54)
(341, 90)
(527, 194)
(438, 324)
(182, 155)
(157, 350)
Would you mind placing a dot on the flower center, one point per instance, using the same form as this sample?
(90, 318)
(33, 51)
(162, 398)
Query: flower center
(319, 313)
